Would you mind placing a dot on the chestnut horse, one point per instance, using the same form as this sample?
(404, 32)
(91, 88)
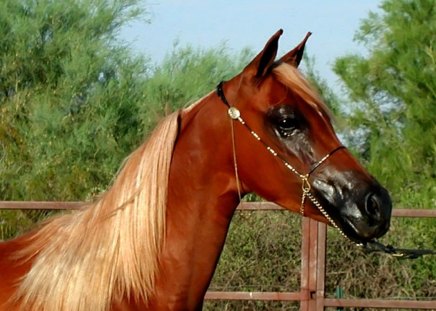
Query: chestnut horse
(153, 240)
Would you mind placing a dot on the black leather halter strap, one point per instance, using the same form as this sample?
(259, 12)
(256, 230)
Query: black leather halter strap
(220, 93)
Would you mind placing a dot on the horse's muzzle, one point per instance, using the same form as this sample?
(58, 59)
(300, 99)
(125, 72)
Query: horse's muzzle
(361, 208)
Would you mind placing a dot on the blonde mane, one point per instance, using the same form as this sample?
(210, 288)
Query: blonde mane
(292, 78)
(109, 249)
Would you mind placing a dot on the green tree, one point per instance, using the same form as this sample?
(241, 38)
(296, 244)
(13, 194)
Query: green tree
(393, 96)
(187, 73)
(69, 96)
(69, 100)
(391, 109)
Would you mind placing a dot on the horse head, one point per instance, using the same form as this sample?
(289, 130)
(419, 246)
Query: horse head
(283, 139)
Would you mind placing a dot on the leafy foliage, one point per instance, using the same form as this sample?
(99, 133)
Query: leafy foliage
(185, 75)
(69, 100)
(68, 97)
(391, 109)
(393, 94)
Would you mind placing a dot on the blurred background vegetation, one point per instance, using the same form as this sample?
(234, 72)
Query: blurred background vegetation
(74, 101)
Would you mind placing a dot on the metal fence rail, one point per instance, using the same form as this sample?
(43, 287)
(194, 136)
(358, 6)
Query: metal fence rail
(313, 263)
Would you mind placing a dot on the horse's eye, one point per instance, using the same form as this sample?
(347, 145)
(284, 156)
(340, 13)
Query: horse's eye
(286, 124)
(285, 120)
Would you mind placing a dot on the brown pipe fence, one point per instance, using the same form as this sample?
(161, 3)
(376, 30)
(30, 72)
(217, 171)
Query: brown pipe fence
(313, 264)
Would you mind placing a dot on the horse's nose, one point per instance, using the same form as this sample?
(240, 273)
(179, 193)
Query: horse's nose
(377, 211)
(363, 207)
(373, 204)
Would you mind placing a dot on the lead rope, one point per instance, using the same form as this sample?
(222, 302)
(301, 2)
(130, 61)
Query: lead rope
(369, 247)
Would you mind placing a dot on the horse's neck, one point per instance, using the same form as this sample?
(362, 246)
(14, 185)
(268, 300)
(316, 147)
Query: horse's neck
(202, 200)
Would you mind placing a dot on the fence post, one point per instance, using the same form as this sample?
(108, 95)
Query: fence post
(313, 265)
(321, 266)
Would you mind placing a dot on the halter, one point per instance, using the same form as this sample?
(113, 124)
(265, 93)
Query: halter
(371, 246)
(235, 114)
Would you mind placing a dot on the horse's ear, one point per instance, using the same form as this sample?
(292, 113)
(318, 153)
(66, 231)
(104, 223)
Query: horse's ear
(294, 57)
(261, 64)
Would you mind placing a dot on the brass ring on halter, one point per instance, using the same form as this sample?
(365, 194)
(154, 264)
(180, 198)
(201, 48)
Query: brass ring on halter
(305, 186)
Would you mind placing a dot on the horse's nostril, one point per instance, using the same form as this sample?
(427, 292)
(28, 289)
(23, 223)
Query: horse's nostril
(372, 206)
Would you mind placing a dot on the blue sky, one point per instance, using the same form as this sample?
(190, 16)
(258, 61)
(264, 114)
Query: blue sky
(249, 23)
